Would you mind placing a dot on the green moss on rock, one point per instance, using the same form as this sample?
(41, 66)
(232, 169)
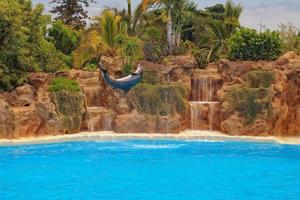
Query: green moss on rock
(249, 102)
(159, 99)
(150, 77)
(260, 79)
(71, 107)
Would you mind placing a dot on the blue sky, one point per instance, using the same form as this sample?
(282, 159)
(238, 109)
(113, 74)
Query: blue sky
(268, 12)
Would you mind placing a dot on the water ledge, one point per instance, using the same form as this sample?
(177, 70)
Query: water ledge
(186, 135)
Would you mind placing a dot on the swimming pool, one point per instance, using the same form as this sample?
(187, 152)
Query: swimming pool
(150, 170)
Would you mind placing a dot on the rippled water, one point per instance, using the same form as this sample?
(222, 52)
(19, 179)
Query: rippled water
(150, 170)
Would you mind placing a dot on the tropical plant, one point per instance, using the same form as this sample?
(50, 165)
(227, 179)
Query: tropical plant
(129, 48)
(248, 44)
(200, 56)
(132, 20)
(96, 43)
(153, 46)
(221, 31)
(91, 47)
(174, 13)
(219, 23)
(71, 12)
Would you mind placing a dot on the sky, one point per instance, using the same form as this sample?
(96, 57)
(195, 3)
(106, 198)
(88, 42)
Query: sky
(269, 13)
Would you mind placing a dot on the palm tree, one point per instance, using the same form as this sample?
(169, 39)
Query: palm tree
(232, 15)
(99, 42)
(168, 5)
(176, 12)
(183, 11)
(220, 31)
(110, 28)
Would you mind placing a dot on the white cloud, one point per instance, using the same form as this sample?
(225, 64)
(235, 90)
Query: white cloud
(270, 16)
(268, 12)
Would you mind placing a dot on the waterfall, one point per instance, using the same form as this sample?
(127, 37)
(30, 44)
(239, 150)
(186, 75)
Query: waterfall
(91, 124)
(99, 119)
(203, 104)
(168, 111)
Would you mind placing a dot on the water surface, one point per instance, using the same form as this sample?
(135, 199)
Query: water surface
(150, 170)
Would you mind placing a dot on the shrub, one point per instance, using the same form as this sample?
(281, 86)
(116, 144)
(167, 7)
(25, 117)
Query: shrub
(248, 44)
(249, 102)
(153, 50)
(200, 56)
(91, 66)
(64, 38)
(64, 84)
(153, 33)
(159, 99)
(181, 49)
(260, 78)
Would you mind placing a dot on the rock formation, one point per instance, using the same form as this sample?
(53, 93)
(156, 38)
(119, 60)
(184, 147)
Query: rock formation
(236, 97)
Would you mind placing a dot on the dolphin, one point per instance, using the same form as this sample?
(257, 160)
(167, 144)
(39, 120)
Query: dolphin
(125, 83)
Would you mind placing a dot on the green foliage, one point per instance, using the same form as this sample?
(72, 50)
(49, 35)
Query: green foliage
(159, 99)
(72, 12)
(23, 47)
(64, 38)
(126, 70)
(248, 44)
(260, 79)
(153, 33)
(154, 50)
(213, 30)
(249, 102)
(129, 49)
(91, 66)
(102, 39)
(183, 48)
(110, 28)
(64, 84)
(200, 56)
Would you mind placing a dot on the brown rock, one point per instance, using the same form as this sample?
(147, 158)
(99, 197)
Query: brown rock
(6, 120)
(134, 122)
(26, 121)
(40, 78)
(51, 123)
(169, 124)
(257, 128)
(232, 126)
(21, 96)
(98, 119)
(113, 65)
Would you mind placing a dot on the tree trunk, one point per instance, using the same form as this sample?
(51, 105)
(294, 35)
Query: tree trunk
(177, 38)
(169, 31)
(173, 37)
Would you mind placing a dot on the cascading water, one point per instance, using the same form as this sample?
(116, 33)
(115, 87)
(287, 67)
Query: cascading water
(203, 104)
(168, 111)
(99, 119)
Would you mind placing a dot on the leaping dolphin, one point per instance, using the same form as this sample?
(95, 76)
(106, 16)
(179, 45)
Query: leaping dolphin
(125, 83)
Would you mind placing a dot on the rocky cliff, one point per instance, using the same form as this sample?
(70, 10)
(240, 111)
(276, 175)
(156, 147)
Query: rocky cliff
(235, 97)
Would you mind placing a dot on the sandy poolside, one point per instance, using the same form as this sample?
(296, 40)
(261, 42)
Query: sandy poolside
(186, 135)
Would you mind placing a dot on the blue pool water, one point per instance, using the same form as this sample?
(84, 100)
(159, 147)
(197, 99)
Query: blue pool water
(150, 170)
